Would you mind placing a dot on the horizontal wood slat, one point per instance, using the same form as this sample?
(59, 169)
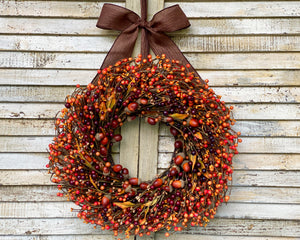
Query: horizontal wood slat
(228, 227)
(241, 111)
(229, 94)
(67, 26)
(252, 78)
(232, 210)
(83, 61)
(185, 43)
(240, 178)
(88, 9)
(243, 161)
(34, 127)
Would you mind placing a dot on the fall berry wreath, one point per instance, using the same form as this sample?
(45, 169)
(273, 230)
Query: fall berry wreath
(158, 90)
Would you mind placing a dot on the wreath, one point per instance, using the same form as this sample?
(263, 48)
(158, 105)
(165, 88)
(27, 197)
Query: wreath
(160, 90)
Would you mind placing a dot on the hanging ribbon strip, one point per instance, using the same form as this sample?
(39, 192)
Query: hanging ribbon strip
(170, 19)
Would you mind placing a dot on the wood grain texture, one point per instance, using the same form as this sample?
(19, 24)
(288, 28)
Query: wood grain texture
(64, 77)
(229, 94)
(45, 60)
(43, 127)
(199, 27)
(229, 43)
(282, 195)
(241, 111)
(232, 210)
(241, 178)
(91, 9)
(230, 228)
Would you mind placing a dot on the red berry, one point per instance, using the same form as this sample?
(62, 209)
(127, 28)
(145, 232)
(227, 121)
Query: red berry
(143, 101)
(114, 124)
(104, 141)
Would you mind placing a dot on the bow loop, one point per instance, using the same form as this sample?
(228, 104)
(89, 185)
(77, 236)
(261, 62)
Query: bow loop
(114, 17)
(170, 19)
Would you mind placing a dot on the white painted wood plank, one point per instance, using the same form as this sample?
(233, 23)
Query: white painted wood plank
(241, 111)
(250, 145)
(257, 128)
(240, 178)
(23, 160)
(29, 160)
(240, 162)
(252, 161)
(185, 43)
(199, 61)
(229, 94)
(160, 236)
(282, 195)
(42, 127)
(239, 9)
(221, 227)
(266, 111)
(245, 26)
(81, 9)
(238, 194)
(252, 78)
(78, 9)
(230, 210)
(179, 236)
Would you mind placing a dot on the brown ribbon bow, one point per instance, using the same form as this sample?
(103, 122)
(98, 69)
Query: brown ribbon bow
(170, 19)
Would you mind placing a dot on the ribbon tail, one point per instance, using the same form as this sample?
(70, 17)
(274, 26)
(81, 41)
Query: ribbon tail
(160, 43)
(122, 47)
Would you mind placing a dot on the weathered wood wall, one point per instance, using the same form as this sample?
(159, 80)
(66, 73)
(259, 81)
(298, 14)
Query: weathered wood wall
(248, 49)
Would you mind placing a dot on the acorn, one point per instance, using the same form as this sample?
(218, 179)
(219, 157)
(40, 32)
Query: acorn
(132, 106)
(117, 137)
(150, 120)
(178, 184)
(178, 144)
(193, 123)
(99, 136)
(174, 171)
(106, 171)
(142, 101)
(117, 168)
(103, 151)
(174, 131)
(186, 166)
(144, 185)
(105, 200)
(179, 158)
(134, 181)
(157, 183)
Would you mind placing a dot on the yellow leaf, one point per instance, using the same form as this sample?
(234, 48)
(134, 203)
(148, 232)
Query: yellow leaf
(111, 101)
(193, 158)
(198, 135)
(102, 107)
(179, 116)
(124, 205)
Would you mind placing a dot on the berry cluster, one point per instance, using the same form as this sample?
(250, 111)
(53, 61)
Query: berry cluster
(161, 91)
